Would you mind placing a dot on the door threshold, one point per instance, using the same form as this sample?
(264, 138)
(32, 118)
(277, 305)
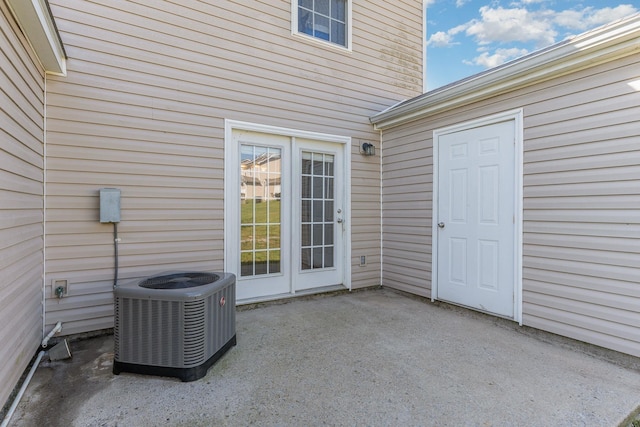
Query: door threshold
(289, 295)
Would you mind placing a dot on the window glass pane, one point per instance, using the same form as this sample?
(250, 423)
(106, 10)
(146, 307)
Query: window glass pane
(318, 164)
(261, 237)
(306, 163)
(317, 210)
(321, 27)
(306, 187)
(339, 9)
(246, 211)
(306, 3)
(261, 262)
(328, 188)
(317, 187)
(328, 211)
(274, 237)
(246, 264)
(328, 234)
(317, 234)
(274, 261)
(274, 211)
(328, 165)
(306, 235)
(328, 257)
(305, 21)
(322, 6)
(306, 211)
(338, 33)
(317, 257)
(305, 263)
(246, 238)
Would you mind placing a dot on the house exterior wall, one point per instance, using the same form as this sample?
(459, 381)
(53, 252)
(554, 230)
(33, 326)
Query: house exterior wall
(142, 108)
(581, 197)
(21, 202)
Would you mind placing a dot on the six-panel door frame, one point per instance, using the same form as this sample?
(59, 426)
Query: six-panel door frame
(517, 117)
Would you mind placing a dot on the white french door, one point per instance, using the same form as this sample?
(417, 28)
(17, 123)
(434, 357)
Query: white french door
(475, 218)
(318, 212)
(284, 213)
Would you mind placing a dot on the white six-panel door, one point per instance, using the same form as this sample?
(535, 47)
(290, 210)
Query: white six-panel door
(475, 218)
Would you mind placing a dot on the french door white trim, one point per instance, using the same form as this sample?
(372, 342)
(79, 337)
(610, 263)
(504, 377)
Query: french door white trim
(231, 195)
(517, 117)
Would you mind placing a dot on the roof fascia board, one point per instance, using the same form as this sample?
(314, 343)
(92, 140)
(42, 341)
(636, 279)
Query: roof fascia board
(37, 23)
(602, 45)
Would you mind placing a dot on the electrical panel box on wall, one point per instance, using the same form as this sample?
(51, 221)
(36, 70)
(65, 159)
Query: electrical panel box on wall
(109, 205)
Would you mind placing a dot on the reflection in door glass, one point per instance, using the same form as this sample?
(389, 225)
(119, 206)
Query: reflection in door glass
(316, 195)
(260, 198)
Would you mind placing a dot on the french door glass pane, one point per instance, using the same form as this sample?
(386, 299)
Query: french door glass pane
(260, 210)
(317, 206)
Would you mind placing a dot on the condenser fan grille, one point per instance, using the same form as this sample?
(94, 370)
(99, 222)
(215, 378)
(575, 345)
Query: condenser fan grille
(179, 280)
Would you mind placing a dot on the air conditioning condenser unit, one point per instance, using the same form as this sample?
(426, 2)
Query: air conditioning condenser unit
(175, 325)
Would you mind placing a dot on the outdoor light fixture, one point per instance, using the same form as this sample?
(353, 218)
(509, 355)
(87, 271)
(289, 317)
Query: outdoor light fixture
(368, 149)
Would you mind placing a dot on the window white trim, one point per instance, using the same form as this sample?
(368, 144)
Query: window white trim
(326, 43)
(517, 116)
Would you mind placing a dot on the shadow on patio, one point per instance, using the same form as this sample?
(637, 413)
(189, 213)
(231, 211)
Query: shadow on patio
(376, 357)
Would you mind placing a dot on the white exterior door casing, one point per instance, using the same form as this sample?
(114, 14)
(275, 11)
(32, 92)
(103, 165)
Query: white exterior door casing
(477, 216)
(286, 218)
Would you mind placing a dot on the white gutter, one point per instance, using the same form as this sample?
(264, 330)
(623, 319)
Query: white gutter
(38, 25)
(598, 46)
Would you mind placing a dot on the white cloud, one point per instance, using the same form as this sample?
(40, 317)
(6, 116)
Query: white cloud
(440, 39)
(525, 2)
(460, 3)
(512, 25)
(499, 57)
(589, 17)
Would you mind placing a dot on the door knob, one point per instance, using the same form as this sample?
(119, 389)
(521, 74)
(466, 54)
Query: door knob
(339, 220)
(441, 224)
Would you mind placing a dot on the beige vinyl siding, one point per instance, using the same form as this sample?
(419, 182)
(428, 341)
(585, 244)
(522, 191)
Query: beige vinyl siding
(406, 220)
(143, 107)
(581, 202)
(21, 202)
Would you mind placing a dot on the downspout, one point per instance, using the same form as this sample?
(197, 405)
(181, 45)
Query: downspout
(16, 401)
(55, 330)
(44, 209)
(381, 212)
(27, 380)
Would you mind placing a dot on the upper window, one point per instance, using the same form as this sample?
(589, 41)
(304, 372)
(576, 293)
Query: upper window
(324, 19)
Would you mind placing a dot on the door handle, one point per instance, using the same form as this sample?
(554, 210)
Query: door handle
(339, 220)
(441, 224)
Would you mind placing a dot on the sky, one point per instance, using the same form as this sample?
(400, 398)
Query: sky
(465, 37)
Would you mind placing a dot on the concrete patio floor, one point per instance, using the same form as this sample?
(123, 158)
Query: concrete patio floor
(374, 358)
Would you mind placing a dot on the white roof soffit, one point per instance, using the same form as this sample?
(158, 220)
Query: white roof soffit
(618, 39)
(36, 21)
